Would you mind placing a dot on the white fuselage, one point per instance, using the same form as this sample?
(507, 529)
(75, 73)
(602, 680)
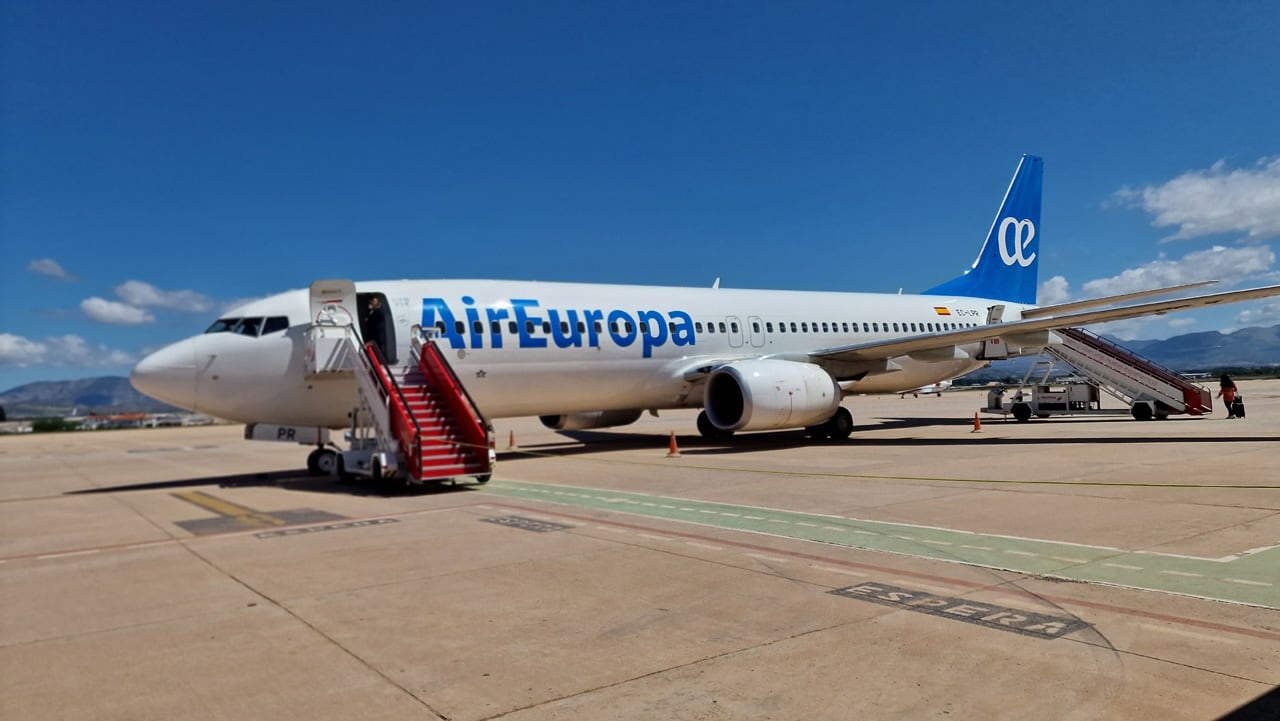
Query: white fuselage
(532, 348)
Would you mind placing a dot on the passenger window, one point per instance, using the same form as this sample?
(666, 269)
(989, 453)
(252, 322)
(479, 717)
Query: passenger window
(512, 328)
(793, 327)
(495, 327)
(895, 327)
(275, 324)
(477, 326)
(845, 327)
(722, 330)
(598, 326)
(528, 327)
(582, 327)
(755, 326)
(804, 327)
(697, 327)
(564, 327)
(875, 327)
(734, 326)
(440, 327)
(644, 329)
(768, 327)
(546, 327)
(824, 328)
(613, 326)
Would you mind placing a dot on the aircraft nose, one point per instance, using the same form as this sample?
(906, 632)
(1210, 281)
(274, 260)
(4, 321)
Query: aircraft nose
(169, 374)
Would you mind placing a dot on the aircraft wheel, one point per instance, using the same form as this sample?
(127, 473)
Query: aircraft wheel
(322, 462)
(484, 477)
(840, 426)
(708, 430)
(1022, 412)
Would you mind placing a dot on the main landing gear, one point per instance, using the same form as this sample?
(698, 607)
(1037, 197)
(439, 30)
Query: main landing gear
(837, 427)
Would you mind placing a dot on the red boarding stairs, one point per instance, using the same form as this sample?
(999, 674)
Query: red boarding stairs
(439, 431)
(1149, 388)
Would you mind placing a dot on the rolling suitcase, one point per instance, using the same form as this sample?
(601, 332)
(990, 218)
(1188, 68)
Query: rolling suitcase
(1237, 407)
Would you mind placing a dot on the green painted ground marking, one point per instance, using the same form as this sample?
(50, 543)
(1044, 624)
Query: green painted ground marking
(1252, 579)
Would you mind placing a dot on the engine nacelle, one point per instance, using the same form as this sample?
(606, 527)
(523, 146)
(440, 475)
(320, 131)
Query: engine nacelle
(592, 419)
(755, 395)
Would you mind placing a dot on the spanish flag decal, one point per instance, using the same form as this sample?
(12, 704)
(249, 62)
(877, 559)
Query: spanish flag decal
(941, 310)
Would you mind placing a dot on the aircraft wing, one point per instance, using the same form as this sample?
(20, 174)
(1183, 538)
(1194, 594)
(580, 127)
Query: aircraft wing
(1030, 328)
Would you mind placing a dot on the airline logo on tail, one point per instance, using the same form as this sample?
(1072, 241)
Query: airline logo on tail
(1024, 231)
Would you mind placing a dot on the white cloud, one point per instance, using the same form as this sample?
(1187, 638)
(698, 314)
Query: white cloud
(144, 295)
(109, 311)
(51, 268)
(68, 351)
(1053, 291)
(1179, 323)
(1207, 202)
(1229, 265)
(1263, 315)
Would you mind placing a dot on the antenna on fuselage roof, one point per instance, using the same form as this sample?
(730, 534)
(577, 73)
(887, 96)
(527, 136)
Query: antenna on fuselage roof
(899, 291)
(717, 283)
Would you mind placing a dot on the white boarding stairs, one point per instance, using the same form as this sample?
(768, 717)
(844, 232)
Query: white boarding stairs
(1149, 389)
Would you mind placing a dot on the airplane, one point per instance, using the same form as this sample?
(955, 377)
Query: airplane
(585, 355)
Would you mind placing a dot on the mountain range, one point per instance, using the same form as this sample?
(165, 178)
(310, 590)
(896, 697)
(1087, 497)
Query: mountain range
(1204, 352)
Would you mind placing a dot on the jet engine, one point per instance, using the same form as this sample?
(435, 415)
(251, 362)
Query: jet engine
(757, 395)
(592, 419)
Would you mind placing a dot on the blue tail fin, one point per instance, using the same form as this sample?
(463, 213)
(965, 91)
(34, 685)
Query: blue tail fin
(1006, 265)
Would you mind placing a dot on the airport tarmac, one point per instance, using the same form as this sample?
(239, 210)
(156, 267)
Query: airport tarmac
(1068, 568)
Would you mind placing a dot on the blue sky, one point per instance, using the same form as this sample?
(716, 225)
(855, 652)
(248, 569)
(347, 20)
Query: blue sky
(161, 160)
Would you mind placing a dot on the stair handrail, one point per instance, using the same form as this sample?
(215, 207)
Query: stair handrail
(392, 397)
(482, 431)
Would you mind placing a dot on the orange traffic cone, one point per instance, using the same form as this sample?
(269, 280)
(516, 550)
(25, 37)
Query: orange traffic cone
(672, 451)
(511, 442)
(977, 423)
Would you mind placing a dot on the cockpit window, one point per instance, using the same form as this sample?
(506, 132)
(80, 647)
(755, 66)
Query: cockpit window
(247, 326)
(275, 323)
(222, 325)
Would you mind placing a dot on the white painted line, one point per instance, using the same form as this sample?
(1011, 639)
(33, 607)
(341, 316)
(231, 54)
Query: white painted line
(770, 559)
(905, 538)
(864, 533)
(936, 543)
(833, 528)
(690, 510)
(846, 572)
(1182, 573)
(1064, 559)
(807, 525)
(653, 537)
(707, 546)
(1190, 634)
(710, 512)
(68, 554)
(650, 505)
(1121, 565)
(731, 515)
(1247, 583)
(1021, 553)
(977, 548)
(754, 518)
(778, 520)
(924, 586)
(669, 508)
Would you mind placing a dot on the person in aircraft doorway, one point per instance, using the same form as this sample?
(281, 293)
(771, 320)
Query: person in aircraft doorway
(375, 325)
(1227, 392)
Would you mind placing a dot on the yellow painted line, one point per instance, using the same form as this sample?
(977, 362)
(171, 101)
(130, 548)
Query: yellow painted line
(245, 515)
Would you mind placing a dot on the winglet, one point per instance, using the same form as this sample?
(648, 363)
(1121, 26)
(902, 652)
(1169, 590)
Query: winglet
(1006, 267)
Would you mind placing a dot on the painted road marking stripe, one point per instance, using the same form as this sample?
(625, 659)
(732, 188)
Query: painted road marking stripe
(652, 537)
(770, 559)
(1183, 573)
(68, 554)
(844, 571)
(1189, 634)
(707, 546)
(977, 548)
(1247, 583)
(1123, 566)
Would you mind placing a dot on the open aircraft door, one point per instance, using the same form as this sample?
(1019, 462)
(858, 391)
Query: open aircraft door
(333, 320)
